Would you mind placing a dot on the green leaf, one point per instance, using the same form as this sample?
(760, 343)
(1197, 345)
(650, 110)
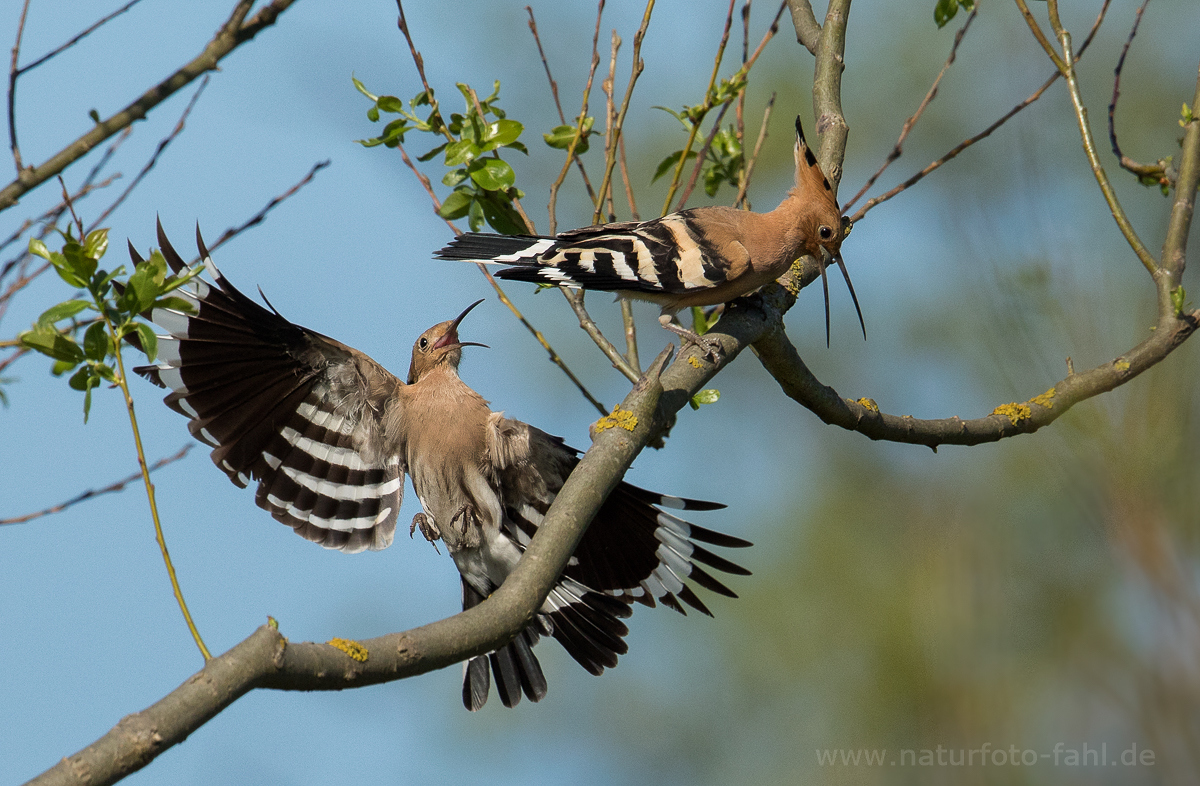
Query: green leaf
(95, 342)
(54, 344)
(65, 272)
(501, 215)
(430, 155)
(706, 396)
(148, 338)
(38, 248)
(461, 152)
(362, 89)
(475, 215)
(373, 114)
(560, 137)
(61, 367)
(669, 163)
(456, 205)
(79, 380)
(176, 304)
(96, 243)
(492, 174)
(105, 372)
(389, 104)
(94, 115)
(502, 133)
(454, 177)
(945, 10)
(64, 310)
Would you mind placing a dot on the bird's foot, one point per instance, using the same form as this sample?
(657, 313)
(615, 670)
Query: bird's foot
(468, 530)
(709, 346)
(428, 529)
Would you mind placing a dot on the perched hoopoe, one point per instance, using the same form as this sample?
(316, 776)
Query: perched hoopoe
(697, 257)
(328, 434)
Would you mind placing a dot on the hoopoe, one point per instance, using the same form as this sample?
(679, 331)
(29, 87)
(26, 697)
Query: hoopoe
(328, 434)
(702, 256)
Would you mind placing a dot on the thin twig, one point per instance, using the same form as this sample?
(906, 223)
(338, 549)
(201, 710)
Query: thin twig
(89, 494)
(635, 71)
(77, 38)
(762, 135)
(703, 110)
(419, 61)
(702, 156)
(912, 121)
(13, 73)
(633, 210)
(162, 145)
(631, 346)
(258, 217)
(1089, 146)
(1145, 172)
(575, 298)
(233, 33)
(874, 201)
(571, 156)
(1036, 29)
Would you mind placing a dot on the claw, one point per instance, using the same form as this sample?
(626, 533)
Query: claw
(429, 529)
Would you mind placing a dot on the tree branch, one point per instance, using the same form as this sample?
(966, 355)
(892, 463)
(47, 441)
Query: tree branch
(231, 35)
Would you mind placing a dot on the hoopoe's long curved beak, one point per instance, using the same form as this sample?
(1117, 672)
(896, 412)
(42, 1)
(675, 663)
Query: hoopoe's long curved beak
(450, 337)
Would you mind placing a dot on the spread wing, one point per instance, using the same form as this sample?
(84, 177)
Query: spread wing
(283, 405)
(633, 549)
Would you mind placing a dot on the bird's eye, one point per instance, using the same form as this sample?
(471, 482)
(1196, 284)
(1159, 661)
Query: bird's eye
(825, 232)
(423, 343)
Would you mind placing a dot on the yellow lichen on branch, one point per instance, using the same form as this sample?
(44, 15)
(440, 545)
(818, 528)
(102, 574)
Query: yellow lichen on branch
(352, 649)
(1045, 400)
(1014, 412)
(620, 418)
(867, 403)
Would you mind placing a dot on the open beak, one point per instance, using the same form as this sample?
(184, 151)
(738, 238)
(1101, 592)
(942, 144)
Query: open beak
(450, 338)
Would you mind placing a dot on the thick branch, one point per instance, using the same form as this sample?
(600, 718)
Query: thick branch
(231, 35)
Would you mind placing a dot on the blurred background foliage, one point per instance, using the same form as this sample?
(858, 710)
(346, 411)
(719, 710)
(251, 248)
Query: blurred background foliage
(1039, 591)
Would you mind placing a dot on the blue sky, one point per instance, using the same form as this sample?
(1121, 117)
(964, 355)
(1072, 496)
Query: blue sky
(89, 631)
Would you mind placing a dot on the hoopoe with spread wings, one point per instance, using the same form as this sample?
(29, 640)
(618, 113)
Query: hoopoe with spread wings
(328, 434)
(703, 256)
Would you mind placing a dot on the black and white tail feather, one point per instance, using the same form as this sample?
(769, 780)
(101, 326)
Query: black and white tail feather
(304, 416)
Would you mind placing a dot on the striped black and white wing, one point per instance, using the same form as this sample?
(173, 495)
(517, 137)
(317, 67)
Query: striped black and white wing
(633, 550)
(285, 406)
(671, 255)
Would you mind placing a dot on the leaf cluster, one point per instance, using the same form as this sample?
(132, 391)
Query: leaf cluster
(484, 185)
(115, 303)
(723, 164)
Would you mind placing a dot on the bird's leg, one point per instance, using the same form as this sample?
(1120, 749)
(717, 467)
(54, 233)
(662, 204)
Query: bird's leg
(712, 349)
(428, 528)
(469, 530)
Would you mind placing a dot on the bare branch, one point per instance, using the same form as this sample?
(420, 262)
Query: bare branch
(13, 72)
(758, 143)
(258, 217)
(112, 487)
(162, 145)
(575, 298)
(912, 121)
(232, 34)
(1089, 145)
(1146, 173)
(808, 31)
(872, 202)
